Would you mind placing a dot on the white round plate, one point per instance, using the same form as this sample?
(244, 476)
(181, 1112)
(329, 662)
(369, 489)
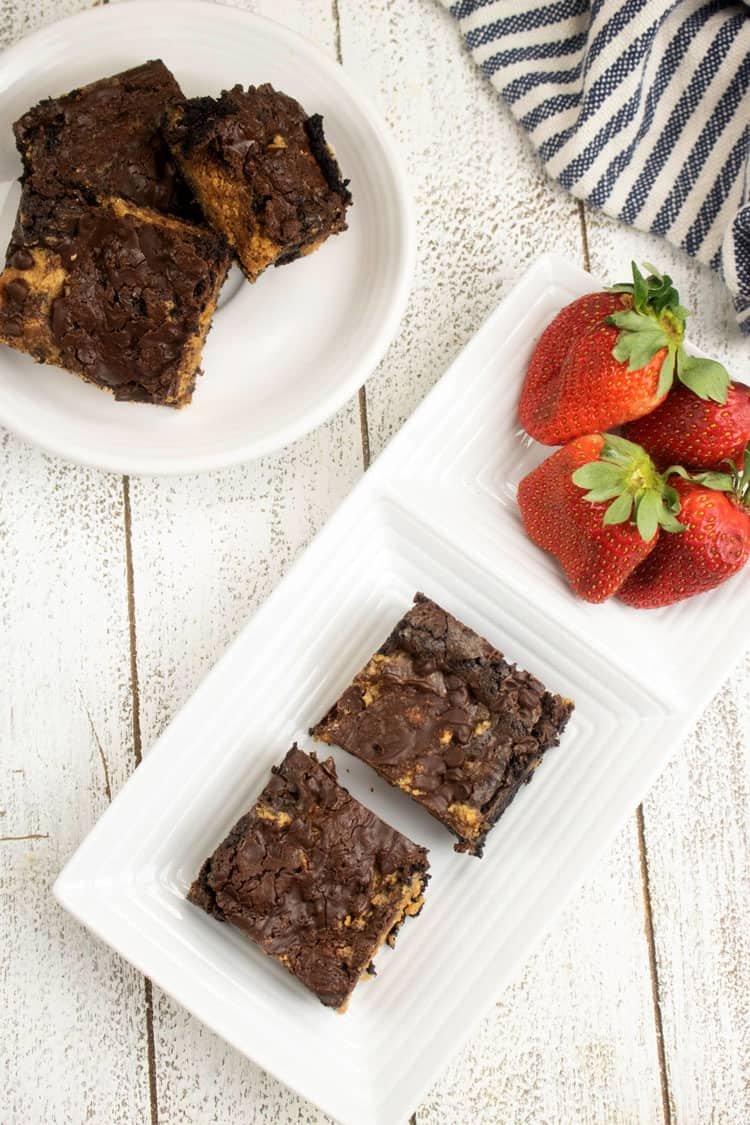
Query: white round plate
(283, 354)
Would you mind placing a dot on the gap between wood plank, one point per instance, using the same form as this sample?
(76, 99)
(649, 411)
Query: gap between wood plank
(364, 428)
(648, 922)
(584, 236)
(337, 30)
(28, 836)
(363, 425)
(148, 994)
(137, 744)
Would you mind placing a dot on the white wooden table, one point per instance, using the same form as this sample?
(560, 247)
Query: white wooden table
(116, 596)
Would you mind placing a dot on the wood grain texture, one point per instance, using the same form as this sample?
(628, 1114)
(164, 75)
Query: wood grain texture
(19, 19)
(207, 550)
(484, 209)
(697, 821)
(72, 1011)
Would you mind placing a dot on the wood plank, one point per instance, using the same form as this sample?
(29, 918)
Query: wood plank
(696, 819)
(485, 211)
(227, 538)
(574, 1038)
(697, 822)
(207, 551)
(73, 1010)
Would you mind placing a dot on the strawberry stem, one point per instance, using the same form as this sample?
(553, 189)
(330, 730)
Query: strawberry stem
(656, 322)
(736, 480)
(625, 475)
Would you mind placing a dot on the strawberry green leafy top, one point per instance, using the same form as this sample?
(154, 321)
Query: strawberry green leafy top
(736, 480)
(656, 321)
(626, 475)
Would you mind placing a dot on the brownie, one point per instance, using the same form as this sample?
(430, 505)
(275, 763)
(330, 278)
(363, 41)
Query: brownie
(116, 293)
(105, 139)
(440, 713)
(261, 171)
(314, 878)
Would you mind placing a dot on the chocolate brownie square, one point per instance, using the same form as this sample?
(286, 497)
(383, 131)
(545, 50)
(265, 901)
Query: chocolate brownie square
(262, 172)
(119, 294)
(314, 878)
(440, 713)
(105, 140)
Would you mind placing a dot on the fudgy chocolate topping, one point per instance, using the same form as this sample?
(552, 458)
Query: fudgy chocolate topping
(134, 290)
(440, 712)
(299, 872)
(265, 139)
(129, 274)
(106, 139)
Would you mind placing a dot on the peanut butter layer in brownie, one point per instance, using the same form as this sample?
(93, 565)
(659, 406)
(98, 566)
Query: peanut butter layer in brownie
(314, 878)
(105, 140)
(119, 294)
(440, 713)
(262, 172)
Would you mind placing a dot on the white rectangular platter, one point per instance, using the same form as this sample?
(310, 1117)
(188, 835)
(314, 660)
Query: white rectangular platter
(436, 513)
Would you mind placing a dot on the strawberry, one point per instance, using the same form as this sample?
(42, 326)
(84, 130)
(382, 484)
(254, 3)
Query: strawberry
(599, 536)
(695, 433)
(610, 357)
(715, 512)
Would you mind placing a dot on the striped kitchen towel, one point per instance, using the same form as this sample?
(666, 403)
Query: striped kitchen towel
(641, 107)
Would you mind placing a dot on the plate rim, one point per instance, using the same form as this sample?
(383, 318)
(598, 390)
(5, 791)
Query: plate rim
(370, 357)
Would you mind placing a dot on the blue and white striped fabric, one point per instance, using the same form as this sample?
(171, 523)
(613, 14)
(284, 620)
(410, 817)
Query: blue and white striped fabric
(641, 107)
